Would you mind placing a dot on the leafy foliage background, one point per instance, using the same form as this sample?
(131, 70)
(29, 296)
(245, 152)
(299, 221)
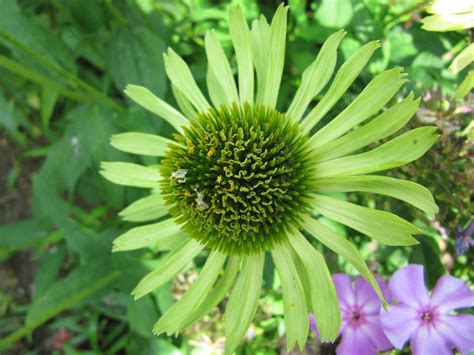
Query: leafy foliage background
(63, 66)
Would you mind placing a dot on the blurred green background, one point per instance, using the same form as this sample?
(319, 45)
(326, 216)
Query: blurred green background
(63, 67)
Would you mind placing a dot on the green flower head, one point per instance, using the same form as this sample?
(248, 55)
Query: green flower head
(242, 181)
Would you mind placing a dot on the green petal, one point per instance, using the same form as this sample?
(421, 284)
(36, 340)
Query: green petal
(145, 209)
(217, 95)
(172, 321)
(380, 127)
(344, 78)
(450, 6)
(149, 101)
(141, 237)
(276, 58)
(342, 247)
(396, 152)
(242, 41)
(374, 96)
(323, 294)
(463, 59)
(130, 174)
(180, 75)
(465, 87)
(184, 104)
(215, 296)
(296, 310)
(316, 76)
(220, 67)
(140, 143)
(173, 263)
(243, 300)
(410, 192)
(260, 49)
(382, 226)
(448, 22)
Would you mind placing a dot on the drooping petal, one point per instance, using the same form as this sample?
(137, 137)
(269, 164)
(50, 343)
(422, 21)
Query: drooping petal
(141, 143)
(184, 104)
(463, 59)
(374, 96)
(294, 301)
(166, 231)
(172, 321)
(399, 323)
(407, 286)
(130, 174)
(149, 101)
(345, 291)
(173, 263)
(343, 247)
(243, 300)
(385, 227)
(344, 78)
(399, 151)
(316, 76)
(382, 126)
(354, 342)
(410, 192)
(366, 298)
(428, 341)
(145, 209)
(451, 293)
(450, 7)
(458, 330)
(448, 22)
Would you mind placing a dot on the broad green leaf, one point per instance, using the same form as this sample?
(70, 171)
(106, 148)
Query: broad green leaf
(173, 263)
(180, 75)
(466, 86)
(296, 310)
(145, 209)
(410, 192)
(260, 49)
(346, 74)
(134, 56)
(141, 143)
(149, 101)
(141, 237)
(399, 151)
(322, 293)
(89, 15)
(316, 76)
(48, 102)
(428, 254)
(217, 293)
(463, 59)
(342, 247)
(141, 315)
(242, 41)
(382, 226)
(334, 14)
(382, 126)
(49, 267)
(374, 96)
(243, 300)
(219, 66)
(448, 22)
(130, 174)
(174, 318)
(21, 234)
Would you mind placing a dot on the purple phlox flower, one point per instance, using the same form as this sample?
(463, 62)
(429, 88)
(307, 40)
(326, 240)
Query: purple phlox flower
(361, 332)
(464, 239)
(427, 320)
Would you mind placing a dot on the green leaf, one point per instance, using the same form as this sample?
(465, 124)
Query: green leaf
(49, 267)
(346, 74)
(141, 315)
(130, 174)
(382, 126)
(135, 57)
(141, 143)
(145, 209)
(322, 293)
(399, 151)
(374, 96)
(382, 226)
(141, 237)
(22, 234)
(465, 87)
(410, 192)
(342, 247)
(334, 14)
(173, 263)
(173, 320)
(427, 253)
(243, 300)
(48, 102)
(296, 310)
(149, 101)
(316, 76)
(89, 15)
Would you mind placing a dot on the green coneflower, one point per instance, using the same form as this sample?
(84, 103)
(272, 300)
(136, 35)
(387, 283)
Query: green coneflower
(242, 181)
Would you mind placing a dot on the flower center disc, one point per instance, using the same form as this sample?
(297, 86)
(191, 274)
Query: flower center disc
(238, 178)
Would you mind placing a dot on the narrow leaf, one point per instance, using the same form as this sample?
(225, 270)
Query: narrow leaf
(130, 174)
(145, 209)
(141, 143)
